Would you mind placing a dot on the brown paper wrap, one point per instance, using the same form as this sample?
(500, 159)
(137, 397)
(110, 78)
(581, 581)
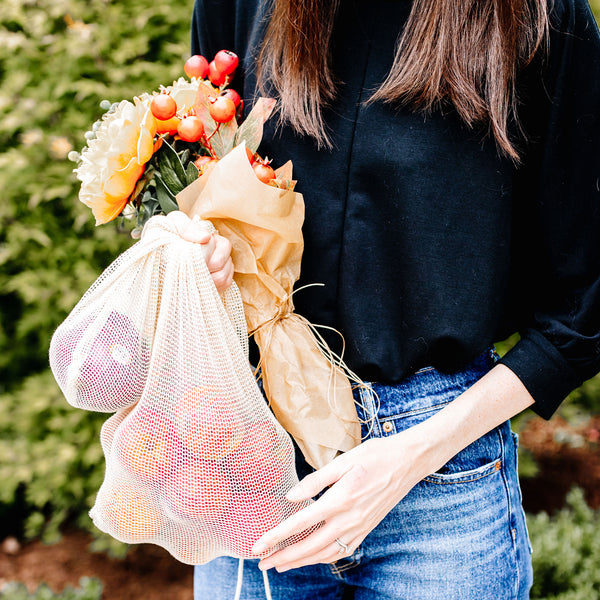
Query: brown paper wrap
(310, 395)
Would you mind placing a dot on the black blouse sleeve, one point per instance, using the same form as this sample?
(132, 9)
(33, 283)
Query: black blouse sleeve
(557, 215)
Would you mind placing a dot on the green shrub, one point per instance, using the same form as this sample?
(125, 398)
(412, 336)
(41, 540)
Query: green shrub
(91, 589)
(566, 552)
(58, 60)
(50, 456)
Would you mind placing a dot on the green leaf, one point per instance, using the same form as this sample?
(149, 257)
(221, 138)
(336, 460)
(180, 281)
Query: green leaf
(251, 130)
(165, 197)
(171, 168)
(184, 156)
(191, 173)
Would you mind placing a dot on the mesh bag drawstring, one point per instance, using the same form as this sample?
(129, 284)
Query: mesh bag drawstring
(240, 579)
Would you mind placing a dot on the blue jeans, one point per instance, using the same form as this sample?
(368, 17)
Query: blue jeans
(460, 534)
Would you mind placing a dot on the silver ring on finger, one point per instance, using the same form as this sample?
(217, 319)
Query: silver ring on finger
(344, 549)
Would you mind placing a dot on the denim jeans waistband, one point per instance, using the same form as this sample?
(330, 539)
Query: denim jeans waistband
(426, 389)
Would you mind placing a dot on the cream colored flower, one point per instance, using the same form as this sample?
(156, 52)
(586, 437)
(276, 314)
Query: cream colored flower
(114, 160)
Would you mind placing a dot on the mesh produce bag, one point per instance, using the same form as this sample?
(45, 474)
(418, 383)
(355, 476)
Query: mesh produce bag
(195, 460)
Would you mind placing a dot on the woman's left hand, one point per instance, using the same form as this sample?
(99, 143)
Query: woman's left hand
(369, 480)
(366, 483)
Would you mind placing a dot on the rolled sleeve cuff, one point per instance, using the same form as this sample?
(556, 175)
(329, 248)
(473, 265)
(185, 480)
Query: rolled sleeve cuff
(543, 370)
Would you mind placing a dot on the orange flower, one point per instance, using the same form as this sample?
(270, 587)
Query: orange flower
(114, 160)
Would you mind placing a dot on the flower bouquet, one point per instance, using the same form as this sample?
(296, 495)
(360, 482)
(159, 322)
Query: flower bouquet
(195, 460)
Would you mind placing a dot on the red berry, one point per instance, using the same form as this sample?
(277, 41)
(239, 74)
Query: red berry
(232, 95)
(216, 77)
(196, 66)
(190, 129)
(163, 107)
(226, 61)
(203, 162)
(221, 109)
(264, 172)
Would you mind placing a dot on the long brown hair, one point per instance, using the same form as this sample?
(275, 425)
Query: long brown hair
(463, 52)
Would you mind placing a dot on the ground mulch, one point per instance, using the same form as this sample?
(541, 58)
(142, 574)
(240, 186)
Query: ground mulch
(566, 454)
(147, 573)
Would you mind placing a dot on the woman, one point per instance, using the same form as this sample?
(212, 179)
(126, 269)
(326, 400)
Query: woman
(452, 199)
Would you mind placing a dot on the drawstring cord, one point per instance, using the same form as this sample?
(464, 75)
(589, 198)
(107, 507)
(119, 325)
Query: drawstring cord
(240, 577)
(267, 587)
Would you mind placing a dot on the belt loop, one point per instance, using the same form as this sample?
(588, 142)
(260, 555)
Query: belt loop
(369, 401)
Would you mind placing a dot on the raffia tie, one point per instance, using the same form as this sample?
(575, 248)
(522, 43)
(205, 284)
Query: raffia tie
(286, 311)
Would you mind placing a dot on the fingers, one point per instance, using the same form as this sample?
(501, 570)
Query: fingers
(196, 230)
(319, 547)
(220, 264)
(215, 248)
(223, 278)
(311, 516)
(220, 255)
(315, 482)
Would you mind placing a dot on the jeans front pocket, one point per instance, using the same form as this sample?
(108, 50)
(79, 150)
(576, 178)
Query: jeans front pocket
(465, 476)
(481, 458)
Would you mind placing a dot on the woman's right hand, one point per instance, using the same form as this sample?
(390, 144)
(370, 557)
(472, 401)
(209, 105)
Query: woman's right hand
(216, 248)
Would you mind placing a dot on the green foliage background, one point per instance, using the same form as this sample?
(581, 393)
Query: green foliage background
(58, 60)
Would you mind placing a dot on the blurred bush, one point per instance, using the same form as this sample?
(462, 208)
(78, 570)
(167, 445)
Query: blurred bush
(566, 552)
(90, 589)
(58, 60)
(50, 458)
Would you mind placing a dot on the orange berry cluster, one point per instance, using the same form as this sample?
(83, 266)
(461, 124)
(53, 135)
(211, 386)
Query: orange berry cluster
(222, 108)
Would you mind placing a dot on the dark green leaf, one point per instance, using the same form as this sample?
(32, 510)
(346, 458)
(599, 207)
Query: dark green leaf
(184, 156)
(191, 173)
(171, 168)
(164, 196)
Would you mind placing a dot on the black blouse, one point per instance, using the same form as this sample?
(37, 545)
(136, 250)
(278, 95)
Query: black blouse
(431, 246)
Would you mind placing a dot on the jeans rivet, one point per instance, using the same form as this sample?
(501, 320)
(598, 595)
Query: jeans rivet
(387, 427)
(497, 466)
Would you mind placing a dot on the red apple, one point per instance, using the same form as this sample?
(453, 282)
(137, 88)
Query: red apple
(199, 489)
(263, 461)
(207, 423)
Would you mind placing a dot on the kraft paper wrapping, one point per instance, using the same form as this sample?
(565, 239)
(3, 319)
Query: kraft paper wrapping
(310, 396)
